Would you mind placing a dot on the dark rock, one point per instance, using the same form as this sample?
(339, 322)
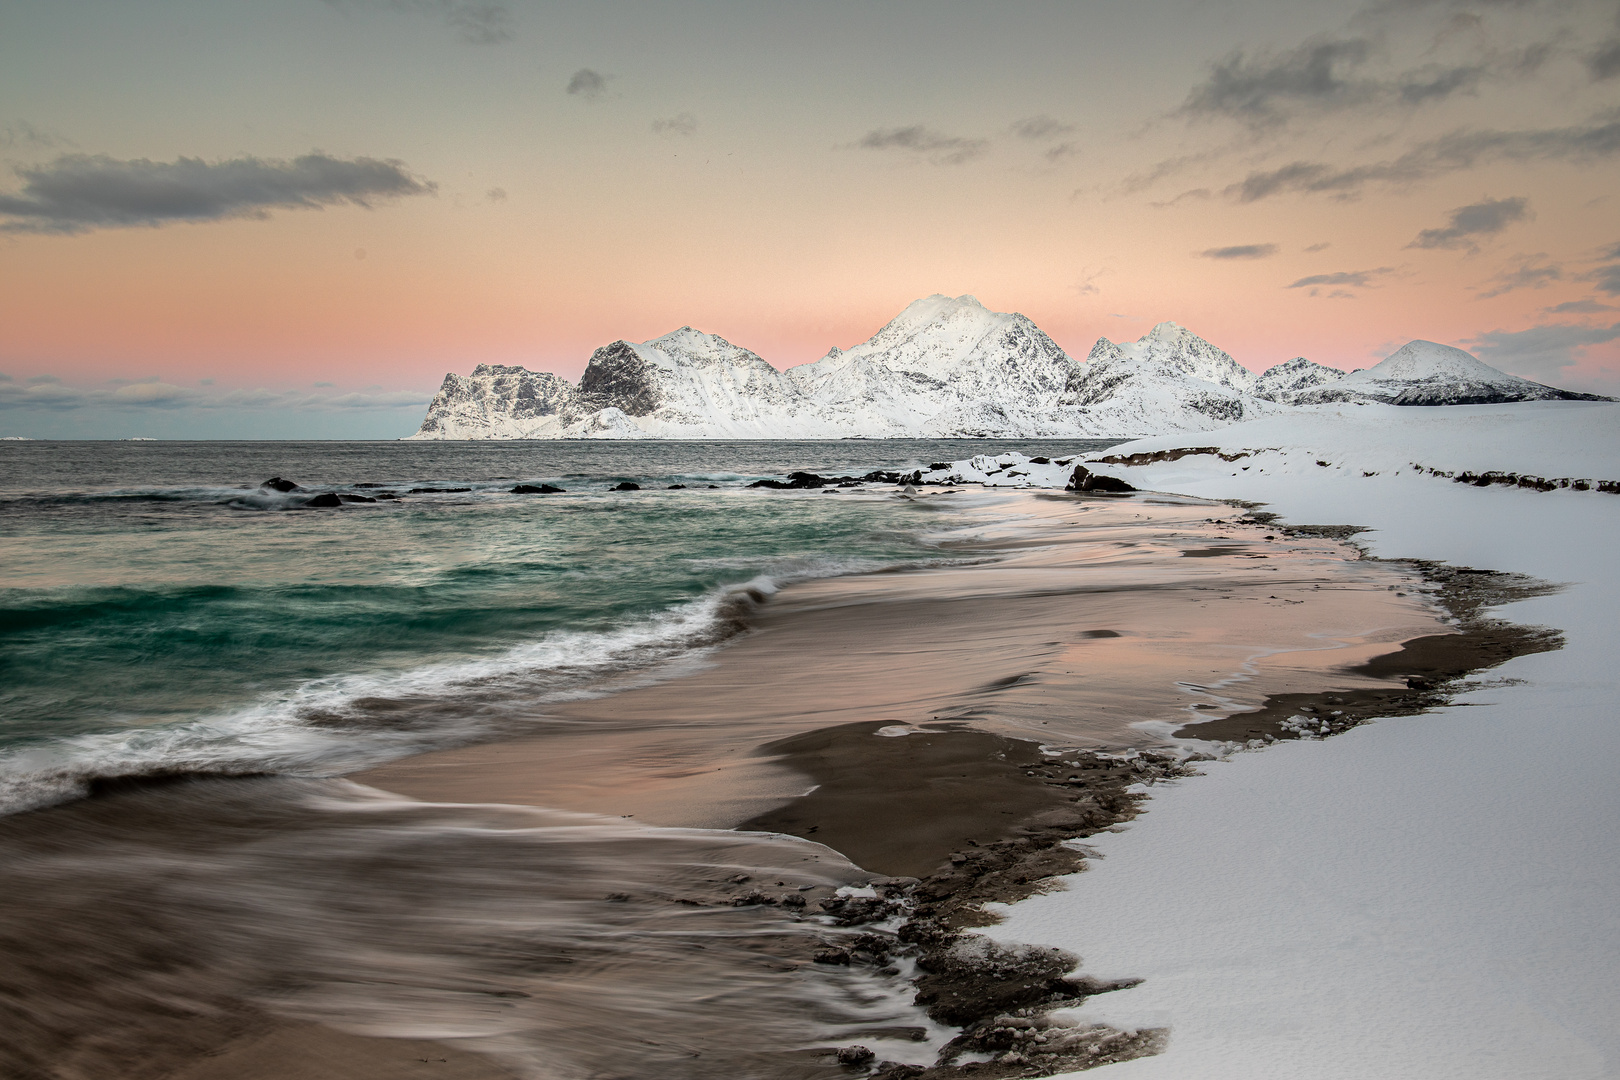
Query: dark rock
(327, 499)
(438, 491)
(938, 465)
(370, 485)
(536, 489)
(618, 376)
(625, 486)
(832, 956)
(276, 483)
(351, 498)
(677, 487)
(1086, 480)
(1040, 461)
(856, 1056)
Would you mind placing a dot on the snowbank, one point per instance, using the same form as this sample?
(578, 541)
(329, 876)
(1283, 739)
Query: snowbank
(1427, 897)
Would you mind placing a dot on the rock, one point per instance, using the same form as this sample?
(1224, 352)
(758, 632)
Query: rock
(625, 486)
(327, 499)
(276, 483)
(832, 956)
(1086, 480)
(350, 498)
(438, 491)
(677, 487)
(855, 1055)
(537, 489)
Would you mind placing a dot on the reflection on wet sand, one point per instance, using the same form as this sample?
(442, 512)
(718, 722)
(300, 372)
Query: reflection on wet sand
(1090, 628)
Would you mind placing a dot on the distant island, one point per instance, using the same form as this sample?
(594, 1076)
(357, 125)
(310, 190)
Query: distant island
(943, 368)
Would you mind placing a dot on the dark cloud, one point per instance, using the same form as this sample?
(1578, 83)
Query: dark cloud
(1041, 128)
(1541, 351)
(682, 124)
(1261, 89)
(1240, 251)
(1474, 220)
(1579, 307)
(1604, 61)
(1607, 278)
(938, 148)
(1323, 246)
(1528, 274)
(477, 22)
(1579, 144)
(1061, 151)
(495, 194)
(1357, 279)
(78, 192)
(588, 84)
(1435, 83)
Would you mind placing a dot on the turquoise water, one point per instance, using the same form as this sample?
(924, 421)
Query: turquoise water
(160, 612)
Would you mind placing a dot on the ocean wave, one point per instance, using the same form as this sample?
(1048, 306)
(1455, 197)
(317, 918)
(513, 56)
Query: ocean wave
(337, 724)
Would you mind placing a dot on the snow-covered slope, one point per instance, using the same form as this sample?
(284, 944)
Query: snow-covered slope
(498, 402)
(941, 358)
(1288, 379)
(1170, 380)
(1428, 373)
(945, 367)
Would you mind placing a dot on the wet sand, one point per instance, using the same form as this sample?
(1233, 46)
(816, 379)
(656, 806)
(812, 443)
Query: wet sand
(1091, 628)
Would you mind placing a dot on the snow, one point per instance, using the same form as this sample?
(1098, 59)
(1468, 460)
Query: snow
(945, 367)
(1427, 897)
(1428, 373)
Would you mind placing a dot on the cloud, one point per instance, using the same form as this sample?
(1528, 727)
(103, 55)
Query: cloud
(477, 22)
(1604, 61)
(1041, 128)
(79, 192)
(937, 147)
(1323, 246)
(1579, 307)
(588, 84)
(50, 394)
(1476, 219)
(1359, 279)
(1541, 351)
(1435, 83)
(495, 194)
(1607, 278)
(1062, 150)
(22, 133)
(1241, 251)
(1580, 144)
(1260, 90)
(682, 124)
(1526, 275)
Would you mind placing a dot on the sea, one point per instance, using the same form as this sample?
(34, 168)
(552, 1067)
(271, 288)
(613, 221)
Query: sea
(161, 611)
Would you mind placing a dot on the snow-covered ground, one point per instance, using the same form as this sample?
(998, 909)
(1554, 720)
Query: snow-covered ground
(1427, 897)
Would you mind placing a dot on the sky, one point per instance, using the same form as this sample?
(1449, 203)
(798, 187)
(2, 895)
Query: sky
(290, 218)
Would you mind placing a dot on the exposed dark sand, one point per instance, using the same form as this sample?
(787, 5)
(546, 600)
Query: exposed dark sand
(901, 805)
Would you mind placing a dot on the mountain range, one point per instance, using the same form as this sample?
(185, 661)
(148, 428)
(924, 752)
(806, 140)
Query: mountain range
(943, 368)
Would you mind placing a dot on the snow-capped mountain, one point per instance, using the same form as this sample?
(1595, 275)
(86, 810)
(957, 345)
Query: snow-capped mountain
(1171, 379)
(1283, 381)
(942, 357)
(497, 401)
(1428, 373)
(943, 368)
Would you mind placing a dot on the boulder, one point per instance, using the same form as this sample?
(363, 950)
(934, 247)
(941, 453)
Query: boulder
(537, 489)
(1086, 480)
(327, 499)
(276, 483)
(625, 486)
